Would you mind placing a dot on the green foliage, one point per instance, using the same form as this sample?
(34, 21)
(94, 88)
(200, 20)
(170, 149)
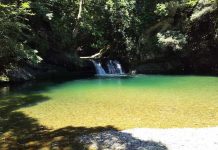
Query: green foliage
(194, 2)
(14, 34)
(161, 9)
(134, 30)
(191, 2)
(173, 39)
(167, 9)
(53, 24)
(109, 25)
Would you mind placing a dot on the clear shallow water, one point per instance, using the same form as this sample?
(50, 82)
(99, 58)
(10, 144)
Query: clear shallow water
(141, 101)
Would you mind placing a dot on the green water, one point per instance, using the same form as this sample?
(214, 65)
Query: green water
(140, 101)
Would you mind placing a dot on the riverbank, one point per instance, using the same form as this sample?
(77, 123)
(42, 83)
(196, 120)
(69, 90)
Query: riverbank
(44, 71)
(39, 73)
(154, 139)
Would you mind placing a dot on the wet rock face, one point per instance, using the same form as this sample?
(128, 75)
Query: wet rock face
(116, 140)
(19, 74)
(26, 73)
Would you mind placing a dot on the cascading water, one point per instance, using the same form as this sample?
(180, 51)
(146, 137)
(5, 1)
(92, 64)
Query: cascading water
(110, 66)
(113, 66)
(119, 67)
(99, 69)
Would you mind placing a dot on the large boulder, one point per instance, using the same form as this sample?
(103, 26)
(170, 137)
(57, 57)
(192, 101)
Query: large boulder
(19, 74)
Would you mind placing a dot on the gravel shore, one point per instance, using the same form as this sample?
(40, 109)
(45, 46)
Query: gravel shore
(180, 138)
(154, 139)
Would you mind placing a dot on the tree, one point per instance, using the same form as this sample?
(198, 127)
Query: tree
(14, 34)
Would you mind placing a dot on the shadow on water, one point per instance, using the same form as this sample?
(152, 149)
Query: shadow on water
(20, 131)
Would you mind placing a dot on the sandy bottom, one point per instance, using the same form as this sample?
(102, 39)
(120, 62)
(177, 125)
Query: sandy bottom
(179, 138)
(138, 102)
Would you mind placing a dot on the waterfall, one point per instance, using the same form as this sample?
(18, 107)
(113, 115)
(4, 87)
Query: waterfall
(99, 69)
(113, 66)
(118, 67)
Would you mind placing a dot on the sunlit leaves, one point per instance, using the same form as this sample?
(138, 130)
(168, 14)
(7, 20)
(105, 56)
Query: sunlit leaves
(173, 39)
(191, 2)
(161, 9)
(14, 32)
(25, 5)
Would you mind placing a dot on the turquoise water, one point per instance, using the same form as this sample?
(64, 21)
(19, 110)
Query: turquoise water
(139, 101)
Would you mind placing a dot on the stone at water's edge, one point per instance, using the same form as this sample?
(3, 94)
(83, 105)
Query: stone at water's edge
(27, 73)
(20, 74)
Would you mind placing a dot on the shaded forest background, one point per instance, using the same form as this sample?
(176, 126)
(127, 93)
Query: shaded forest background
(149, 36)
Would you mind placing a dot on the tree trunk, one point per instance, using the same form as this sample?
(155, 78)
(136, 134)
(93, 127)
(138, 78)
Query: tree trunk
(76, 29)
